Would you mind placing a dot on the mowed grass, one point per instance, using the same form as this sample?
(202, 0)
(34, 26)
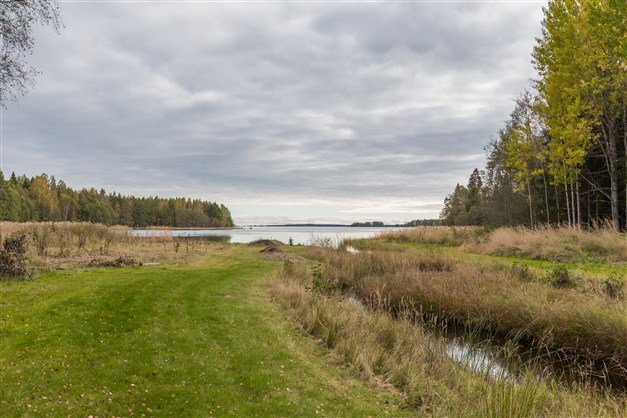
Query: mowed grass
(200, 339)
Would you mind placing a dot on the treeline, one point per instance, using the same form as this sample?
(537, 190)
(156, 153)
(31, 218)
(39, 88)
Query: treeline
(422, 222)
(369, 224)
(43, 198)
(561, 157)
(415, 222)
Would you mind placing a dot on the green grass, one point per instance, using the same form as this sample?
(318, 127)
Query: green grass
(186, 340)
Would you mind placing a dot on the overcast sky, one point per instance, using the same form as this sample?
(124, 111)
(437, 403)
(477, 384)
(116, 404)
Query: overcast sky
(284, 112)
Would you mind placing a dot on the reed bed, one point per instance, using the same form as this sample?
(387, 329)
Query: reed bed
(498, 300)
(69, 244)
(553, 243)
(396, 353)
(562, 244)
(445, 235)
(63, 238)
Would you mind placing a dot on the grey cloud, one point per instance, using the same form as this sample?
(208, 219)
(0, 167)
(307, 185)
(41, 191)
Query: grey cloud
(342, 103)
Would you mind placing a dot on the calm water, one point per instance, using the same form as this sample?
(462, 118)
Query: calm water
(300, 234)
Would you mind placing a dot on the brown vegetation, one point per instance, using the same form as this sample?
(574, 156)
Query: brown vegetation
(563, 243)
(266, 243)
(555, 243)
(489, 297)
(394, 352)
(13, 256)
(68, 244)
(449, 235)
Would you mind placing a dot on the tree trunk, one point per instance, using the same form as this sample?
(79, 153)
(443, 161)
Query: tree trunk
(588, 206)
(578, 205)
(557, 203)
(530, 204)
(608, 132)
(596, 208)
(572, 204)
(546, 199)
(614, 180)
(567, 204)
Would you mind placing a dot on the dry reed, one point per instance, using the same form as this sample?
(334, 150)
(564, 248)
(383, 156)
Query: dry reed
(483, 295)
(447, 235)
(553, 243)
(67, 244)
(396, 353)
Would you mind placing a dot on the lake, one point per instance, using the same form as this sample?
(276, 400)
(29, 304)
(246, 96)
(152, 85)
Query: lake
(299, 234)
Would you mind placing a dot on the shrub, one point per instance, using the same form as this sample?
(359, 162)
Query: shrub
(614, 288)
(559, 276)
(522, 272)
(12, 256)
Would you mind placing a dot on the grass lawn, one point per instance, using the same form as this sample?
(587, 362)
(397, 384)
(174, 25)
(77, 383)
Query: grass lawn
(199, 339)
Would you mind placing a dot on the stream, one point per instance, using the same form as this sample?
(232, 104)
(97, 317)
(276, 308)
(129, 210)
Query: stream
(488, 356)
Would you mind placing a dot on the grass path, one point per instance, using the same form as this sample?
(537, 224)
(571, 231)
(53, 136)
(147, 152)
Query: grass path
(195, 340)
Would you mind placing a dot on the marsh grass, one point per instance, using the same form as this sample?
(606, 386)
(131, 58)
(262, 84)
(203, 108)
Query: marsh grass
(506, 305)
(555, 244)
(447, 235)
(508, 400)
(394, 352)
(68, 244)
(552, 243)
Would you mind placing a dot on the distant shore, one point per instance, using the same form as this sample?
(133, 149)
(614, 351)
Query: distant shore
(185, 228)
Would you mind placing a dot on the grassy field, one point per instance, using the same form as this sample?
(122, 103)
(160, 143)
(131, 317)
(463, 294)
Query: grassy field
(195, 339)
(197, 330)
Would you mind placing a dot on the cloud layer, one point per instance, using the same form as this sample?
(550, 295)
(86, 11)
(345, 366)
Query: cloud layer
(367, 110)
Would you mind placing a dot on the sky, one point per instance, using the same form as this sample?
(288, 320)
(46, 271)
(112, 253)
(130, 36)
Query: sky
(284, 111)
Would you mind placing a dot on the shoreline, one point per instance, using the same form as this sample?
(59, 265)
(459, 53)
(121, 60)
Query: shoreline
(182, 228)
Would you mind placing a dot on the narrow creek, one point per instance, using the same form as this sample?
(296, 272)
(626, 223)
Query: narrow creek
(477, 358)
(491, 357)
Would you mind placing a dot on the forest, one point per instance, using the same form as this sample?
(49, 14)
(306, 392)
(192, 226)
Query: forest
(43, 198)
(560, 158)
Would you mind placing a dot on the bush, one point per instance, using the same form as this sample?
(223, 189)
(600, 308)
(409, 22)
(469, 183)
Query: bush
(12, 256)
(559, 276)
(614, 288)
(522, 272)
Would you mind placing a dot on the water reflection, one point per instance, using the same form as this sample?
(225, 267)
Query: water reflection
(476, 358)
(299, 235)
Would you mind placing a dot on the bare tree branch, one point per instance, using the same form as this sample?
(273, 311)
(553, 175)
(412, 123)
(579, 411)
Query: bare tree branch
(17, 20)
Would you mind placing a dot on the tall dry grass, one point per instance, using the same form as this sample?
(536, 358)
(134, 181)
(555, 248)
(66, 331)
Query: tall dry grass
(483, 296)
(394, 352)
(67, 244)
(555, 243)
(62, 238)
(447, 235)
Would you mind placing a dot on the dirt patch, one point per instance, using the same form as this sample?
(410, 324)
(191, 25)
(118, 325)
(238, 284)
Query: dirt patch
(118, 262)
(267, 243)
(271, 249)
(281, 256)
